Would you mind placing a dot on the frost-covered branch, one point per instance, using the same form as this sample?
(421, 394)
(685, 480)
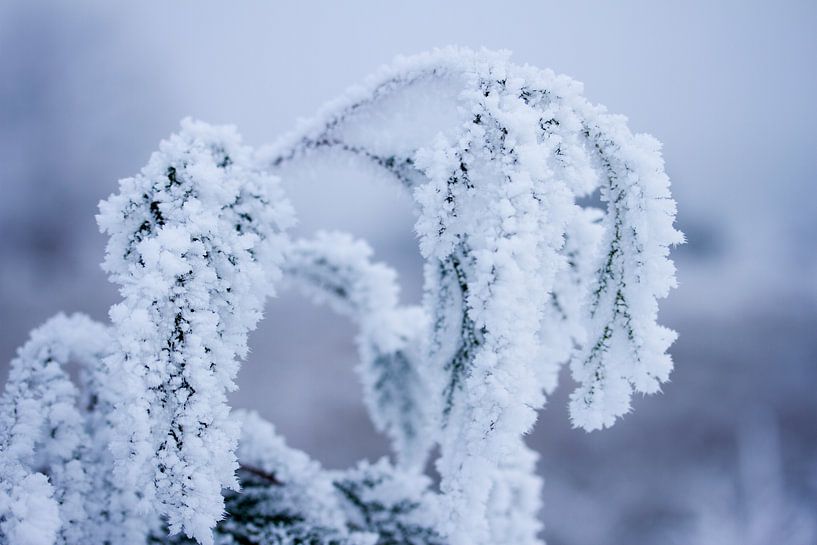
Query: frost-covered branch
(510, 254)
(287, 498)
(393, 505)
(55, 469)
(626, 348)
(195, 249)
(335, 268)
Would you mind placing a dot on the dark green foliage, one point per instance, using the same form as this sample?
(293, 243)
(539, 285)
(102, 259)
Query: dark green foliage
(376, 501)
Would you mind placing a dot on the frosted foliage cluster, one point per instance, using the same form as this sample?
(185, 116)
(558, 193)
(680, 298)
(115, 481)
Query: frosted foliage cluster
(521, 277)
(55, 467)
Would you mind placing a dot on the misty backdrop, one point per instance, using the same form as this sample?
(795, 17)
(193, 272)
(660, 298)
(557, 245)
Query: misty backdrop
(727, 454)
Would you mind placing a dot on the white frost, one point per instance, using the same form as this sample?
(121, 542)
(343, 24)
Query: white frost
(520, 278)
(195, 248)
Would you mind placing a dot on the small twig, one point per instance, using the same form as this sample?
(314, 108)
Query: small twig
(258, 472)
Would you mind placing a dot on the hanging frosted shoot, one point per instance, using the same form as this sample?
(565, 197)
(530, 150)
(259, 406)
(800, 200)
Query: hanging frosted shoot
(626, 348)
(195, 250)
(335, 268)
(563, 323)
(497, 221)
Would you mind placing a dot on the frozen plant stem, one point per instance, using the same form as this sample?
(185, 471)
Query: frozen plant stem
(519, 280)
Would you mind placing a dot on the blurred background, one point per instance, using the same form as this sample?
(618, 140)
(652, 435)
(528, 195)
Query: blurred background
(726, 455)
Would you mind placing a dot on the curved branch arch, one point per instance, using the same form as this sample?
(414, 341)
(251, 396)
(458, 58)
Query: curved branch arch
(498, 200)
(336, 269)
